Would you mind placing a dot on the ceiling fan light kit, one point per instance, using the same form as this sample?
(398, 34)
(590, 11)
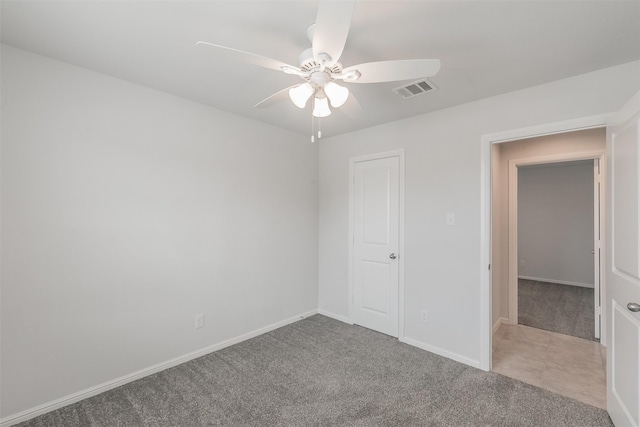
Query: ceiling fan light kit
(320, 85)
(321, 107)
(319, 66)
(300, 94)
(337, 94)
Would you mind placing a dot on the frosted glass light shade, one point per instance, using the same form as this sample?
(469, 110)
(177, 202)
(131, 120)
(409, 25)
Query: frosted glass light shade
(337, 94)
(299, 95)
(321, 107)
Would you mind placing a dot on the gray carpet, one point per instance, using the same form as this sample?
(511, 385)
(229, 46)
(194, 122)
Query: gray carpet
(321, 372)
(563, 309)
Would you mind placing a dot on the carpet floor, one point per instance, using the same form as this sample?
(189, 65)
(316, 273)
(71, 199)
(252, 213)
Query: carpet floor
(321, 372)
(557, 308)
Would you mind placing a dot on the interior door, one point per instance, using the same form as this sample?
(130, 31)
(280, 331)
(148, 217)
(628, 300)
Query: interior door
(623, 262)
(375, 244)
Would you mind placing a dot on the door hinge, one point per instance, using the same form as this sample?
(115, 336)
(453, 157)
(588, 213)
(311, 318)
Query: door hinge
(489, 267)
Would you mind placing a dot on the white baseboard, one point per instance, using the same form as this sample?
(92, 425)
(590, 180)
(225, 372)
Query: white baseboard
(414, 343)
(108, 385)
(557, 282)
(441, 352)
(332, 315)
(501, 321)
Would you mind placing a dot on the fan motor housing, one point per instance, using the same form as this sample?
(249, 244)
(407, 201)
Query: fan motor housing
(309, 63)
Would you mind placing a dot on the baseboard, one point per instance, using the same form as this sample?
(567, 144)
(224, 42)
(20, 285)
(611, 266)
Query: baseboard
(501, 321)
(332, 315)
(442, 352)
(414, 343)
(557, 282)
(101, 388)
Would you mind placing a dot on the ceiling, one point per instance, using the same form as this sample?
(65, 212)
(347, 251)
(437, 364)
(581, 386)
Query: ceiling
(485, 47)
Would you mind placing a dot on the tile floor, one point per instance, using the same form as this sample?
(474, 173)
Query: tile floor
(572, 367)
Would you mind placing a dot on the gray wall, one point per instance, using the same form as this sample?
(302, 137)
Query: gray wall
(555, 222)
(127, 211)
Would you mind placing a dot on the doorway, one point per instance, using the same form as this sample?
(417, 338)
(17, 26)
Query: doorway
(542, 358)
(507, 159)
(619, 331)
(558, 283)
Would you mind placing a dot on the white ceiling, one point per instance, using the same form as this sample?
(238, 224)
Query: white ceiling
(486, 47)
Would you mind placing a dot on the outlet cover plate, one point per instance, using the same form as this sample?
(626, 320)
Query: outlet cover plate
(199, 321)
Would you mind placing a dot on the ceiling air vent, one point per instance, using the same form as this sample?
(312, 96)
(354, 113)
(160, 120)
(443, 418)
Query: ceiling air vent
(415, 89)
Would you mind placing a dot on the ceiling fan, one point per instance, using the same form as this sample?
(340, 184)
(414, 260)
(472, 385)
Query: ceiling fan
(319, 67)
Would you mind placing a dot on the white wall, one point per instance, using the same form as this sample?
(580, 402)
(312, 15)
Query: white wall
(589, 140)
(555, 222)
(125, 212)
(442, 263)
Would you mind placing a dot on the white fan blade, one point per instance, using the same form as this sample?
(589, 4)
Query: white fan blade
(390, 71)
(332, 28)
(251, 58)
(279, 96)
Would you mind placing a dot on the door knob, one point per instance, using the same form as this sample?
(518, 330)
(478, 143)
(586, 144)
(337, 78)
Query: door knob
(392, 256)
(633, 306)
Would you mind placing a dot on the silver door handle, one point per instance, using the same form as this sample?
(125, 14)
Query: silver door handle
(633, 306)
(393, 256)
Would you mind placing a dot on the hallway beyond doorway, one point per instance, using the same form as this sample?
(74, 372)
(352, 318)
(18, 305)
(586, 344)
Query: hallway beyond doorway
(569, 366)
(563, 309)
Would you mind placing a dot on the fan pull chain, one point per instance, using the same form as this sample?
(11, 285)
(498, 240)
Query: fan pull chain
(313, 138)
(313, 129)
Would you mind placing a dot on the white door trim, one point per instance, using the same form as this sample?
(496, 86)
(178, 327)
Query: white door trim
(599, 231)
(352, 161)
(513, 217)
(486, 142)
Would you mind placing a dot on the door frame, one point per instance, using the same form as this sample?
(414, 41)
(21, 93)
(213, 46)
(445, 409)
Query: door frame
(513, 224)
(486, 143)
(401, 171)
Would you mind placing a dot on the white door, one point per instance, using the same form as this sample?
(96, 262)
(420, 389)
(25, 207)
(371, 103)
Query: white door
(376, 191)
(623, 262)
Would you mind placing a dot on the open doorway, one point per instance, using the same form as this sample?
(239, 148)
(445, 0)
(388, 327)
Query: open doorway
(558, 237)
(540, 357)
(531, 153)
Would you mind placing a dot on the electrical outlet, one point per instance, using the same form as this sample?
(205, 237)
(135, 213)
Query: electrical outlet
(199, 321)
(451, 218)
(424, 315)
(522, 263)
